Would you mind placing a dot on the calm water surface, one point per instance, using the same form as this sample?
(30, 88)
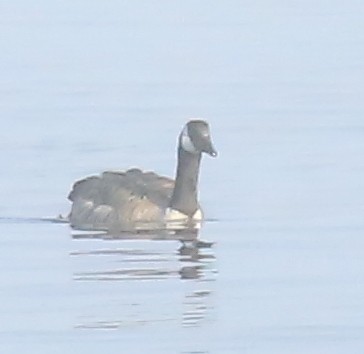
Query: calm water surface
(279, 268)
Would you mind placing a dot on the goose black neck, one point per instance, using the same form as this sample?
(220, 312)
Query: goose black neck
(184, 198)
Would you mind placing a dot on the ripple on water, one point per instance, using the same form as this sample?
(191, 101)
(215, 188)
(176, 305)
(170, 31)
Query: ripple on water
(148, 260)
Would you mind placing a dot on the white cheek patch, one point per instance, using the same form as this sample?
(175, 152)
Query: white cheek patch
(187, 143)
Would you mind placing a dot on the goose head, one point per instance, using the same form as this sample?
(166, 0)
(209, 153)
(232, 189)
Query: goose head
(195, 138)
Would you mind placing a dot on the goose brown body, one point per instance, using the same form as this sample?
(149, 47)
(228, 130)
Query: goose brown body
(117, 199)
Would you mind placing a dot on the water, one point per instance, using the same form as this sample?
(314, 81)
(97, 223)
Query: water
(86, 87)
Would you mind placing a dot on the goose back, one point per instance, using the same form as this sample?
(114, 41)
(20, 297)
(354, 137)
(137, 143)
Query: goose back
(119, 199)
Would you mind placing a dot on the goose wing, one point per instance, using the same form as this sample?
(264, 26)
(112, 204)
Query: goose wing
(117, 199)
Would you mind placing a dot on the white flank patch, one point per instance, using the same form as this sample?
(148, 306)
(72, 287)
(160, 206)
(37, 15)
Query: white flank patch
(176, 220)
(197, 215)
(174, 215)
(187, 143)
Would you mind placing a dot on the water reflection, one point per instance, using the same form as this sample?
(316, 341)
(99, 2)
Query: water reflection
(124, 258)
(196, 252)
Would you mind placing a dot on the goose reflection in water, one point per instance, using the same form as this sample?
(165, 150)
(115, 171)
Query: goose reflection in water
(198, 252)
(133, 257)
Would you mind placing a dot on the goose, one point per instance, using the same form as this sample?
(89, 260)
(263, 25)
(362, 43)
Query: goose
(143, 200)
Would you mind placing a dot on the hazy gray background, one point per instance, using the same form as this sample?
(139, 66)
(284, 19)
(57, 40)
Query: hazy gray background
(87, 86)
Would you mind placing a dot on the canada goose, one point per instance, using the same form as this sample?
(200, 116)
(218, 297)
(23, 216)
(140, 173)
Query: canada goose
(144, 200)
